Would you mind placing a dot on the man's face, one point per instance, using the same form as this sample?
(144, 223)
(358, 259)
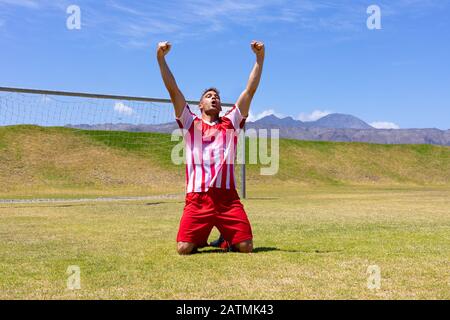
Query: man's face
(210, 103)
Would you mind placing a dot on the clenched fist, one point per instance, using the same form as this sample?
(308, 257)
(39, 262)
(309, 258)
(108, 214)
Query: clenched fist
(258, 48)
(163, 49)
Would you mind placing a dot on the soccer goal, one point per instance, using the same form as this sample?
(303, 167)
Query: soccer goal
(111, 119)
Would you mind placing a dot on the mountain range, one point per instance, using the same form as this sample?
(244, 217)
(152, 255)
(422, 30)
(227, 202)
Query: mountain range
(334, 120)
(333, 127)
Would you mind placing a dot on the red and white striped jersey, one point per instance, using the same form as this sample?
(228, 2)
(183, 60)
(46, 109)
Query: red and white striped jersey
(210, 149)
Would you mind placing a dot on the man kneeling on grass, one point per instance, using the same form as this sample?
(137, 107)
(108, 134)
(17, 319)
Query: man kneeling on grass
(211, 141)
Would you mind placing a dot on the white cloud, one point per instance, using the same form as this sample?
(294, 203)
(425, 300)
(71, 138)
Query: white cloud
(384, 125)
(180, 19)
(313, 116)
(133, 23)
(254, 117)
(123, 109)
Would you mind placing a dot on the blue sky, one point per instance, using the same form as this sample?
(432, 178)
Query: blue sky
(321, 57)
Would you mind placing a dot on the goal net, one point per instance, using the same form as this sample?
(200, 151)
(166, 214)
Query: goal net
(56, 144)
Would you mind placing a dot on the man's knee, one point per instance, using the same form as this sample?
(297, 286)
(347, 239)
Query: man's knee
(245, 246)
(184, 248)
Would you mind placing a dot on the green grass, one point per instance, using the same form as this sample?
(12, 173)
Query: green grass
(332, 210)
(66, 163)
(155, 145)
(310, 243)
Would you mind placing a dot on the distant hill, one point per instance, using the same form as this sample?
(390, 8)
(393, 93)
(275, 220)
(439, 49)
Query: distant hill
(64, 162)
(379, 136)
(334, 121)
(340, 121)
(272, 120)
(347, 128)
(333, 127)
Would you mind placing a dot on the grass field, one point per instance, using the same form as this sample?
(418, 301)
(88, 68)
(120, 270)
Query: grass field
(310, 243)
(333, 210)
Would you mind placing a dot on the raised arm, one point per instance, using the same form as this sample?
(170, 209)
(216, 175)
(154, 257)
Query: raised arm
(176, 96)
(247, 95)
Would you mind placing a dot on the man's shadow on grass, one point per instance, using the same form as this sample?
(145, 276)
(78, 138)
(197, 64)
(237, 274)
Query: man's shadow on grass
(268, 249)
(271, 249)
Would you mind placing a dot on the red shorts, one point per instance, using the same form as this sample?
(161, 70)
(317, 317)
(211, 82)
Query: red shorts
(220, 208)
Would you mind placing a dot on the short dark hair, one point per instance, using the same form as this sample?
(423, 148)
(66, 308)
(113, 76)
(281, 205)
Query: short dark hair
(210, 89)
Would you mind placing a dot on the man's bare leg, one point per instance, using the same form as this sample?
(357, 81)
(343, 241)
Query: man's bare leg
(185, 248)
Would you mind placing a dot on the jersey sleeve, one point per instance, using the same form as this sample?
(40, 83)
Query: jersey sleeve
(235, 117)
(186, 118)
